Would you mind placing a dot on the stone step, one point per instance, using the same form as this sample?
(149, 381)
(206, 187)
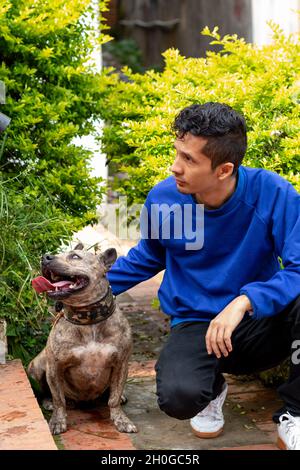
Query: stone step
(22, 424)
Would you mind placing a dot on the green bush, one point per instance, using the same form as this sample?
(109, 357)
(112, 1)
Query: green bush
(46, 191)
(29, 227)
(52, 94)
(277, 375)
(125, 52)
(262, 82)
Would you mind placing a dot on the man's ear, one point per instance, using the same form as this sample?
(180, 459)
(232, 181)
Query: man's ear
(79, 246)
(225, 170)
(108, 257)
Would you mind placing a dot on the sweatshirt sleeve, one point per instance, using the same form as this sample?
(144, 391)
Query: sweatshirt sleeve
(271, 297)
(142, 262)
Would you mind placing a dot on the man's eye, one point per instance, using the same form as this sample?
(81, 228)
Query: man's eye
(75, 256)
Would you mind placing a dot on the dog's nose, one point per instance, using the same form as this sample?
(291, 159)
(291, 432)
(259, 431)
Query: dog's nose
(47, 258)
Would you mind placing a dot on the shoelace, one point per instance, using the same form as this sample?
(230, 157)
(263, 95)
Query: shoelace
(292, 424)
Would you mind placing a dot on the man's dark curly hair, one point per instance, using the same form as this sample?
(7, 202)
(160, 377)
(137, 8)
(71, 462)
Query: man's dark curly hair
(224, 129)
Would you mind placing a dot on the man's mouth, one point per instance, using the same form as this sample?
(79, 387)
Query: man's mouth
(56, 284)
(179, 181)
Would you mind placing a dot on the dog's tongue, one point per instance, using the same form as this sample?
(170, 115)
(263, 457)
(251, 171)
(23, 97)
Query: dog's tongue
(41, 284)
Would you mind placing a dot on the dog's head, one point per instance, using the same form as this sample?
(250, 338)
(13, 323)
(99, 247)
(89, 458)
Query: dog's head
(77, 277)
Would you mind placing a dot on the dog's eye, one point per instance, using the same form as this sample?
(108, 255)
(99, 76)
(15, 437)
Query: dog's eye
(75, 256)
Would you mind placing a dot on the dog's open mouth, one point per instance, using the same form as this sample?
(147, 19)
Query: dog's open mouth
(55, 284)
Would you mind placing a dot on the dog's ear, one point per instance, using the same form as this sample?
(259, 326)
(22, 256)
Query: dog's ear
(108, 257)
(79, 246)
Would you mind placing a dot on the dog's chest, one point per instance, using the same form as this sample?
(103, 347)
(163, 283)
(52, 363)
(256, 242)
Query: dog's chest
(91, 368)
(95, 354)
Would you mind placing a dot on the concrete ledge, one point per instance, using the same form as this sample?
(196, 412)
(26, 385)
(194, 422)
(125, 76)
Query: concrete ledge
(22, 424)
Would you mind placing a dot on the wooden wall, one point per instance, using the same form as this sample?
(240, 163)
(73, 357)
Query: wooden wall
(157, 25)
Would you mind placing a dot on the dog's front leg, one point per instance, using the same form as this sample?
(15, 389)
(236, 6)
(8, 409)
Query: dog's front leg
(58, 421)
(117, 415)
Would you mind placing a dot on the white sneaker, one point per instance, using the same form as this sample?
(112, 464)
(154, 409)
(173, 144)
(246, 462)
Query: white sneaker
(210, 421)
(288, 432)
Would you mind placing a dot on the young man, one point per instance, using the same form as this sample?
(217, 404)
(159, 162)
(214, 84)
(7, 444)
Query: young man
(232, 308)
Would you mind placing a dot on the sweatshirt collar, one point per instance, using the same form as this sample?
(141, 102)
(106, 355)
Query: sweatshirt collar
(232, 201)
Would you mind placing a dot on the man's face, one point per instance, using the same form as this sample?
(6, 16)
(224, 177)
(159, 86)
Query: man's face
(191, 168)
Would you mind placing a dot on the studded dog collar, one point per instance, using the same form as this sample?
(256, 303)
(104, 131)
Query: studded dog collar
(88, 314)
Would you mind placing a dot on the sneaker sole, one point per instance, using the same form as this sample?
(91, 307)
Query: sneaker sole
(281, 444)
(207, 435)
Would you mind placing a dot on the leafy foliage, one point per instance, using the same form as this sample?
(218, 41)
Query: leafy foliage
(46, 190)
(29, 227)
(126, 52)
(261, 82)
(277, 375)
(52, 92)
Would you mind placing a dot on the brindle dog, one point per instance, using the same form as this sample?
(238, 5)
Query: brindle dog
(88, 348)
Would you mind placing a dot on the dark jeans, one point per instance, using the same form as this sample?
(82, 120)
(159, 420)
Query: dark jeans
(188, 378)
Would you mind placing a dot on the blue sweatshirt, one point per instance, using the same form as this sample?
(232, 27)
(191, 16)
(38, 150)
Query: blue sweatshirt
(242, 242)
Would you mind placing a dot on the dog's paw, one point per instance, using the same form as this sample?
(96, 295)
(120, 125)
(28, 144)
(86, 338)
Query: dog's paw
(130, 427)
(123, 425)
(57, 426)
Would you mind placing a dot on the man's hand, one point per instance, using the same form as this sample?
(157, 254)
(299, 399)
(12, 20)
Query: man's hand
(218, 335)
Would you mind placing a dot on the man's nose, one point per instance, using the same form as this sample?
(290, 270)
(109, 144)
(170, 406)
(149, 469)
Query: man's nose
(176, 168)
(47, 258)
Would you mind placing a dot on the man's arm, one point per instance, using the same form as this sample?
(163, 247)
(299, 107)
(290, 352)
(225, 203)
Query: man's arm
(142, 262)
(272, 296)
